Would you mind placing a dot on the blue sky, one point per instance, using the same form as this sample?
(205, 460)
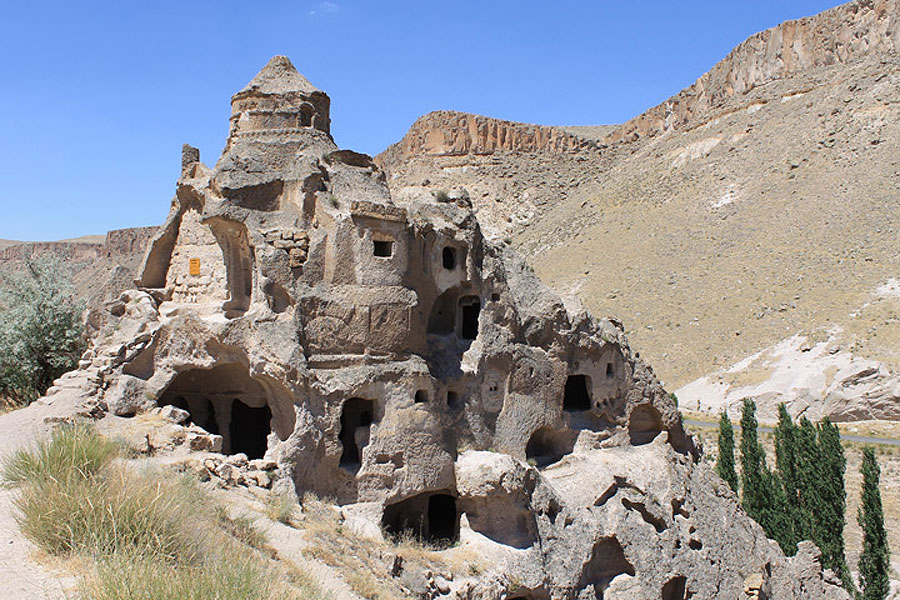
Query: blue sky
(97, 97)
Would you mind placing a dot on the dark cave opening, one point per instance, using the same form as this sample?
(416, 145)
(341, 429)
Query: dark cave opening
(471, 308)
(430, 517)
(356, 419)
(249, 428)
(576, 396)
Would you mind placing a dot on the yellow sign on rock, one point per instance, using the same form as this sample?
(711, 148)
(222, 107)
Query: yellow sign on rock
(195, 266)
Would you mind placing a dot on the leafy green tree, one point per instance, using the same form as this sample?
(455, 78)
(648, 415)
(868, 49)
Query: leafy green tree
(831, 516)
(41, 331)
(725, 465)
(874, 560)
(786, 464)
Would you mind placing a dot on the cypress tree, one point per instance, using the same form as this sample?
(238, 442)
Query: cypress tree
(752, 460)
(725, 464)
(807, 461)
(831, 516)
(786, 463)
(763, 496)
(874, 558)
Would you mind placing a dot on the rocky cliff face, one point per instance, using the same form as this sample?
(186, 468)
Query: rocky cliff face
(117, 243)
(450, 133)
(838, 36)
(509, 169)
(765, 209)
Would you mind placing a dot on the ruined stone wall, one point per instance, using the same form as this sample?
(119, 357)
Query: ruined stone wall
(196, 241)
(841, 35)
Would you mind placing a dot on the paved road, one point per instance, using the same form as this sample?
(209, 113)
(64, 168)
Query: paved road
(850, 438)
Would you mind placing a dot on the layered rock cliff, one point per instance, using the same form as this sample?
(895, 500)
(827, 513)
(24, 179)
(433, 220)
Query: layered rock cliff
(451, 133)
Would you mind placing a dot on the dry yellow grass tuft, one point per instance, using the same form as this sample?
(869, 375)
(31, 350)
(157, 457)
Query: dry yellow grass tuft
(142, 534)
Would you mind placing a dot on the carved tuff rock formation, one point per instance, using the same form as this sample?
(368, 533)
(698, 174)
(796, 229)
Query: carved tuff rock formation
(390, 357)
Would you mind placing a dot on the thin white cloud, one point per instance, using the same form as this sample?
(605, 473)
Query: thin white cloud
(325, 8)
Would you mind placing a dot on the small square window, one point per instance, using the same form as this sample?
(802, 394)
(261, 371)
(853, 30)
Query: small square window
(383, 248)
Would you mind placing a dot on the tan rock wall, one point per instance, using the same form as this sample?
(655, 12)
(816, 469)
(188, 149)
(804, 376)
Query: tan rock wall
(449, 133)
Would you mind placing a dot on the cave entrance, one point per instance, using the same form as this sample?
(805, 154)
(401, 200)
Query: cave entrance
(644, 424)
(431, 517)
(576, 396)
(357, 416)
(443, 520)
(547, 446)
(543, 448)
(249, 429)
(226, 401)
(470, 306)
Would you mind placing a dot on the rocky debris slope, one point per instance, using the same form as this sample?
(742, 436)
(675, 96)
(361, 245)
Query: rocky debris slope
(300, 328)
(813, 379)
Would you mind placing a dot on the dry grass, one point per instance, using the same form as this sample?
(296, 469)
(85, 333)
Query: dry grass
(143, 535)
(75, 450)
(124, 577)
(281, 508)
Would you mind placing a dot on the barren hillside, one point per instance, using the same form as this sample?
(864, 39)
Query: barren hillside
(759, 203)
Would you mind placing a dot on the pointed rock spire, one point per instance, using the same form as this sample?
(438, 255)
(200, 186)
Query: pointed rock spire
(279, 76)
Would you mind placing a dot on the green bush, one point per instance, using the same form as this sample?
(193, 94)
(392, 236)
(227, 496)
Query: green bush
(41, 331)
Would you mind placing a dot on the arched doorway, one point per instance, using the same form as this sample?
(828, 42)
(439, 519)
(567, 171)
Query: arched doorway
(224, 400)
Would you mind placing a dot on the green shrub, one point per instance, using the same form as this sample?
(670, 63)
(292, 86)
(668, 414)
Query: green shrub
(41, 332)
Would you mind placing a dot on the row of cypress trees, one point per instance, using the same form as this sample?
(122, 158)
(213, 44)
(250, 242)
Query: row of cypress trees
(804, 497)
